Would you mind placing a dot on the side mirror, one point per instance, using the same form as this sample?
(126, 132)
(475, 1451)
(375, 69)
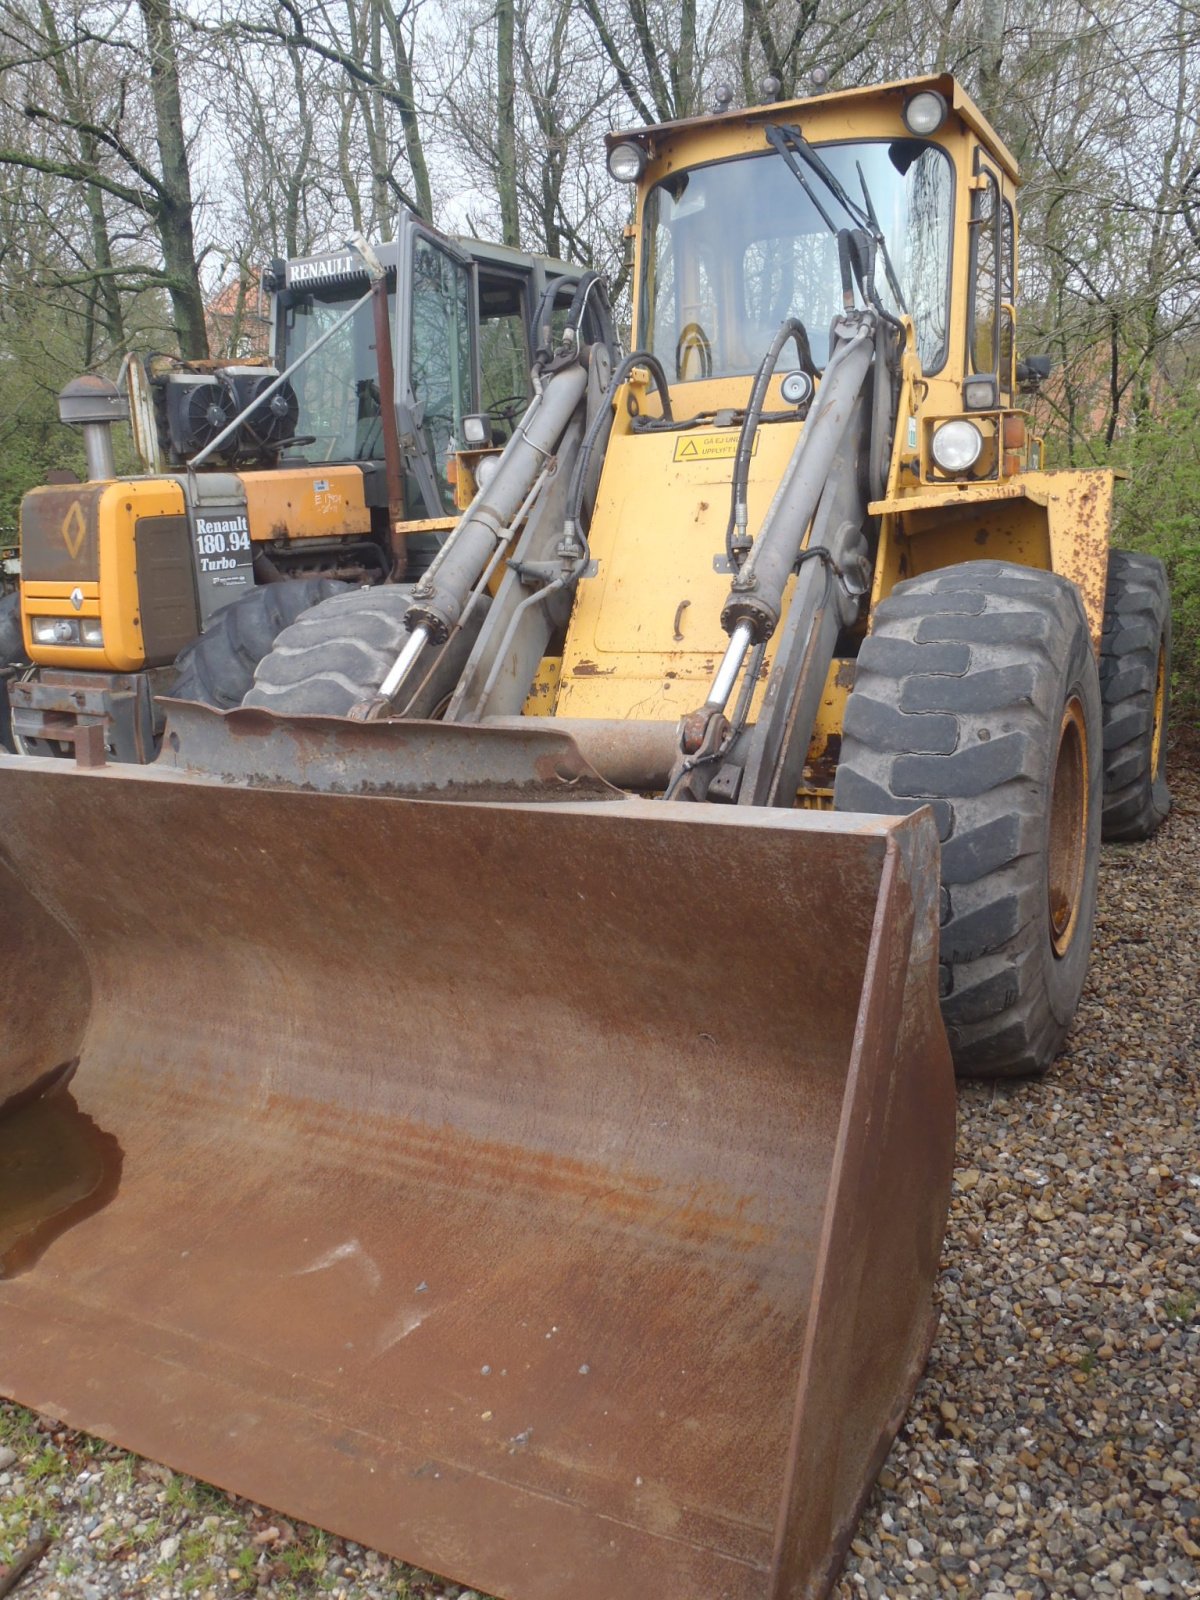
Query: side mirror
(1033, 371)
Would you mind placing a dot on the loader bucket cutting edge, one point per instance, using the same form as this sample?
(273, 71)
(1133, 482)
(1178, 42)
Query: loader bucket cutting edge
(549, 1195)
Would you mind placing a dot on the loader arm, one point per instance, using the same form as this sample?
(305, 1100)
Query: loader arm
(815, 524)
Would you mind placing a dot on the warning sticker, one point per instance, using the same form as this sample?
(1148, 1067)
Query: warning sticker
(710, 446)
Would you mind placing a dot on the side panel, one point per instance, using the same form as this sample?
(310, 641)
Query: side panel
(646, 631)
(167, 585)
(306, 503)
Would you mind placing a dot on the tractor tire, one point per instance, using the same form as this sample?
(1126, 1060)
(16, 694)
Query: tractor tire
(1135, 690)
(12, 657)
(12, 642)
(335, 655)
(977, 694)
(217, 669)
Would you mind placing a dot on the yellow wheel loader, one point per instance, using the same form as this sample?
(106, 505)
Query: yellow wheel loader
(511, 1123)
(268, 484)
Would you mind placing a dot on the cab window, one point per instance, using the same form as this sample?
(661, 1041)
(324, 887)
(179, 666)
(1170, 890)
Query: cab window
(442, 358)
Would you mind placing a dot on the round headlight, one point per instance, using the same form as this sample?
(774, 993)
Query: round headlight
(956, 446)
(626, 162)
(924, 113)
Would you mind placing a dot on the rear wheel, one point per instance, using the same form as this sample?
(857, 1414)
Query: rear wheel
(1135, 689)
(12, 642)
(12, 657)
(977, 694)
(218, 668)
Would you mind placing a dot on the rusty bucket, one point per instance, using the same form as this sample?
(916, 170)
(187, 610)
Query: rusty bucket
(549, 1195)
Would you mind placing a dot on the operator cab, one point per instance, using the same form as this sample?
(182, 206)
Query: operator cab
(746, 219)
(448, 364)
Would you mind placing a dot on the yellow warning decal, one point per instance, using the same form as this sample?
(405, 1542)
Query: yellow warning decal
(710, 446)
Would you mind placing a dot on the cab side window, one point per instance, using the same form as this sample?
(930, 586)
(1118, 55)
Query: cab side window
(504, 353)
(993, 281)
(442, 356)
(985, 219)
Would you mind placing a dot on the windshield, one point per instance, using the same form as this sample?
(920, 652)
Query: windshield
(338, 389)
(737, 246)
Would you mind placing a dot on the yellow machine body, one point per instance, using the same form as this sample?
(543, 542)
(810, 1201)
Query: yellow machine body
(646, 631)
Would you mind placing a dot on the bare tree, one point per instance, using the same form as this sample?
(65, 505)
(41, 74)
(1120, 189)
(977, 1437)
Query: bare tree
(103, 151)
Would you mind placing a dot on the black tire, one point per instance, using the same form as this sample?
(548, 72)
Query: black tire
(1135, 691)
(12, 655)
(976, 689)
(12, 642)
(218, 668)
(335, 655)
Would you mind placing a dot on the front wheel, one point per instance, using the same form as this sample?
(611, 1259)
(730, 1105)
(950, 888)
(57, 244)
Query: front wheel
(339, 653)
(977, 694)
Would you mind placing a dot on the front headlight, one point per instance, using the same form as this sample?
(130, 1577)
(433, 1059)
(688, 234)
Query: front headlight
(981, 393)
(925, 112)
(956, 445)
(55, 630)
(626, 162)
(67, 630)
(486, 470)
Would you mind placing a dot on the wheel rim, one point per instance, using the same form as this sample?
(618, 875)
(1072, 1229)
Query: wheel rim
(1068, 827)
(1160, 701)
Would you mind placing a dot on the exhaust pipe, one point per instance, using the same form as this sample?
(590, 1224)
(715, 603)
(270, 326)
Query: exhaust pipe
(93, 404)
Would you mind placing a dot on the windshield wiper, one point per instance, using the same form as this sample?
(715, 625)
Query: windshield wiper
(789, 142)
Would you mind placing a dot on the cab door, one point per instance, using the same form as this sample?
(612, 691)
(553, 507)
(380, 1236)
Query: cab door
(437, 368)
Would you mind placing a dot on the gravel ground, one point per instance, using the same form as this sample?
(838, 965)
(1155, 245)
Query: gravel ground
(1053, 1448)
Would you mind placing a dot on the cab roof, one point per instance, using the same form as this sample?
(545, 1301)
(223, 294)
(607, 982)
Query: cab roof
(944, 83)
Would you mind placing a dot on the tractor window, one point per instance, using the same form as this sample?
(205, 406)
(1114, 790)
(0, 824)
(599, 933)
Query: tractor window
(1008, 289)
(986, 290)
(737, 246)
(338, 389)
(442, 358)
(504, 354)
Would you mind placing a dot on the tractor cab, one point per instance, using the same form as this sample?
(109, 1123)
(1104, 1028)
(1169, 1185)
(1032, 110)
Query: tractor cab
(261, 468)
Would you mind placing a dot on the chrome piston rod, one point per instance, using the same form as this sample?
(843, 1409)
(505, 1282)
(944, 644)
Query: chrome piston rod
(731, 664)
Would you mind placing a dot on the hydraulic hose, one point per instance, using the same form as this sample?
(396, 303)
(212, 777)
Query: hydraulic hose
(756, 594)
(737, 543)
(572, 522)
(549, 361)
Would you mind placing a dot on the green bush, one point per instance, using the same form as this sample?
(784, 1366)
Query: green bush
(1158, 511)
